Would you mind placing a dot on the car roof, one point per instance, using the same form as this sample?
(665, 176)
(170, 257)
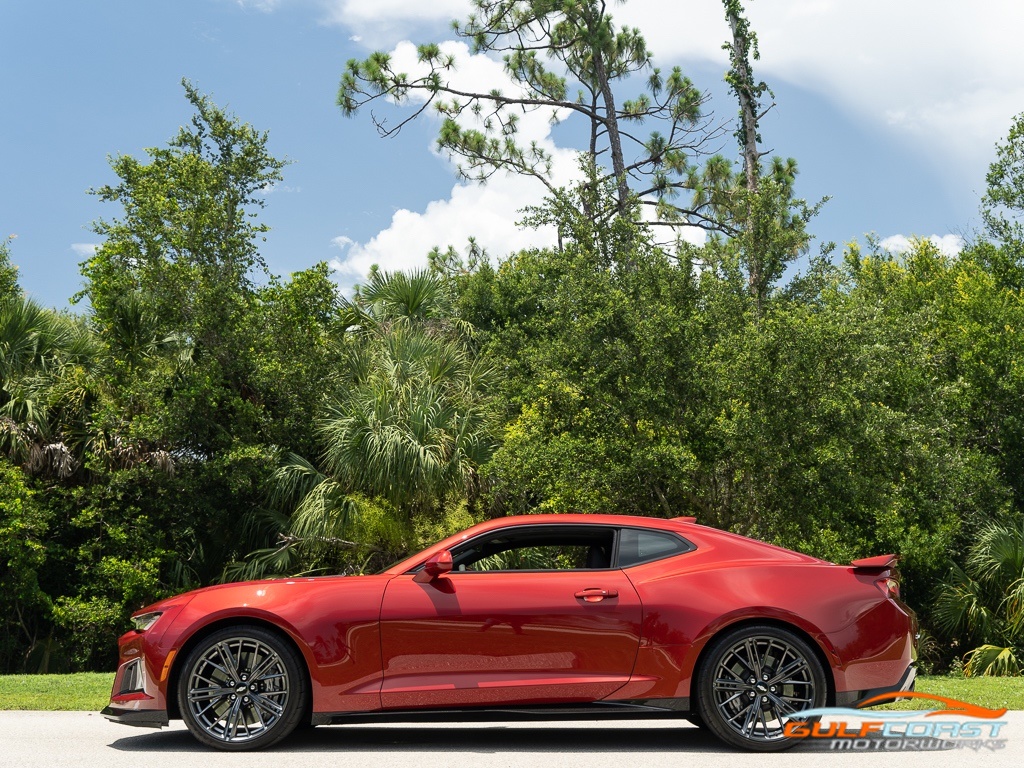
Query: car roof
(575, 518)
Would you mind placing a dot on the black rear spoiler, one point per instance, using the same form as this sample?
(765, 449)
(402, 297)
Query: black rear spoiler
(876, 564)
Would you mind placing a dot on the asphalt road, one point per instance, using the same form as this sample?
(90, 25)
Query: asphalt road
(56, 739)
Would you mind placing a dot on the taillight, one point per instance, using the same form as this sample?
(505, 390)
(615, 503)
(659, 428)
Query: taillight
(888, 587)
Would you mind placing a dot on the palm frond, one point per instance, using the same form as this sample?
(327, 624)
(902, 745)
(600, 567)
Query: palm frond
(269, 562)
(998, 554)
(992, 661)
(293, 480)
(961, 606)
(1013, 608)
(324, 516)
(410, 295)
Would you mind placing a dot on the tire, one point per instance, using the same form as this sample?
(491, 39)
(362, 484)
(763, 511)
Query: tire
(752, 679)
(242, 688)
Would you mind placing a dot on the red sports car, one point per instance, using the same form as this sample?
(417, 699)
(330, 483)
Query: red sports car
(538, 617)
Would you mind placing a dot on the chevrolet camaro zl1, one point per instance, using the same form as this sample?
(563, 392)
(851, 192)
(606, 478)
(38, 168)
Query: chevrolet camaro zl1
(537, 617)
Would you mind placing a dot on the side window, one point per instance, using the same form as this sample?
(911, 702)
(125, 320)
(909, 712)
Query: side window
(538, 548)
(638, 546)
(535, 557)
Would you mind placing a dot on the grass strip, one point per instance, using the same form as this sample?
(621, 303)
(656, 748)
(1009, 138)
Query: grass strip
(91, 690)
(77, 692)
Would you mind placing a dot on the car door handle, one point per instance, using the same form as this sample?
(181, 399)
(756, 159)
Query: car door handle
(595, 594)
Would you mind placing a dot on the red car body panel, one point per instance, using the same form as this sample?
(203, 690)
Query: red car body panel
(520, 637)
(690, 600)
(477, 639)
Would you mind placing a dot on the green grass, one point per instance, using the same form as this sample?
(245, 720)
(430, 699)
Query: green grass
(82, 691)
(91, 690)
(991, 692)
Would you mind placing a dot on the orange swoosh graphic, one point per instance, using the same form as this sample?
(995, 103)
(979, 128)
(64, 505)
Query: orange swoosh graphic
(954, 706)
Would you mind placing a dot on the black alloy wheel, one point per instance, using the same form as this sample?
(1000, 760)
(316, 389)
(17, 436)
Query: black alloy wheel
(753, 680)
(242, 688)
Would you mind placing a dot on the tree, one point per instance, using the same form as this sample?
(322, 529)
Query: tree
(181, 261)
(1003, 202)
(9, 287)
(400, 441)
(769, 224)
(411, 429)
(23, 604)
(201, 379)
(43, 357)
(596, 344)
(189, 229)
(1002, 207)
(568, 58)
(984, 603)
(749, 92)
(837, 429)
(564, 58)
(298, 348)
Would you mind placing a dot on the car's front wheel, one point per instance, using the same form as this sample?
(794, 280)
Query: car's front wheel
(241, 688)
(752, 680)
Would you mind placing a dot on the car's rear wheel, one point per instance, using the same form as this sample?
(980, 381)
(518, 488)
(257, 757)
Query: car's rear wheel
(752, 680)
(241, 688)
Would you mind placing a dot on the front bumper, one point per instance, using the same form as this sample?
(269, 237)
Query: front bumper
(144, 718)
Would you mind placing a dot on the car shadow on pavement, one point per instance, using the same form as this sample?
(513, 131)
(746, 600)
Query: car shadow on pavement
(446, 738)
(487, 740)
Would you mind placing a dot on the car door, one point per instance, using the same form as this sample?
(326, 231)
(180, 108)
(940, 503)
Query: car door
(509, 636)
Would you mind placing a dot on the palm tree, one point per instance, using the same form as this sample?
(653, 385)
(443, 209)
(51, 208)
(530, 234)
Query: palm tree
(133, 333)
(42, 353)
(410, 431)
(137, 350)
(984, 602)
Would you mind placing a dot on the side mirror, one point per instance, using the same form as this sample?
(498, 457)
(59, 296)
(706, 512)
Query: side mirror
(435, 567)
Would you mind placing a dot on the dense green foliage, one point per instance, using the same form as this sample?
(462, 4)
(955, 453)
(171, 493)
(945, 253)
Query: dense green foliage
(402, 440)
(204, 420)
(144, 434)
(8, 272)
(983, 602)
(843, 417)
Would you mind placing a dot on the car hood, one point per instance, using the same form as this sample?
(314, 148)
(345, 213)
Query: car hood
(248, 587)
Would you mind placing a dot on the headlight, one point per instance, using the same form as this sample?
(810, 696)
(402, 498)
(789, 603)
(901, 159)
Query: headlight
(144, 621)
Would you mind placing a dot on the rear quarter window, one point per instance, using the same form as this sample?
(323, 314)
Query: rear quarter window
(637, 546)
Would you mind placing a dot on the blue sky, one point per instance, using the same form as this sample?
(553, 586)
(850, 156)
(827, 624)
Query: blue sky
(890, 108)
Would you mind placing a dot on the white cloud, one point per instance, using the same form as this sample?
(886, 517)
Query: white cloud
(487, 212)
(939, 76)
(260, 5)
(270, 188)
(484, 212)
(942, 75)
(950, 245)
(382, 22)
(84, 250)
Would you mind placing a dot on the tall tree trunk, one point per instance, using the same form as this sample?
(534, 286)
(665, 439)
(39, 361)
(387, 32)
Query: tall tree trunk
(748, 105)
(611, 122)
(744, 86)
